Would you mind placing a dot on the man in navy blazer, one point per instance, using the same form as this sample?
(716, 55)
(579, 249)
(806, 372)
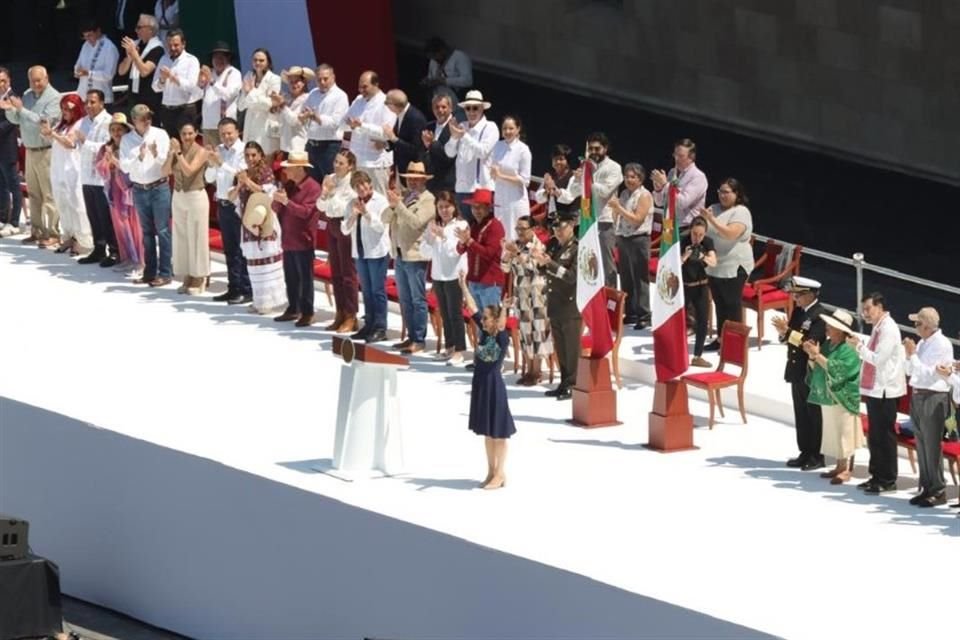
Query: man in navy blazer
(403, 138)
(433, 138)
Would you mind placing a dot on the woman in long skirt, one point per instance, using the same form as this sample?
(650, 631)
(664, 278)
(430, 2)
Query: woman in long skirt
(530, 295)
(489, 412)
(123, 214)
(263, 255)
(191, 211)
(76, 236)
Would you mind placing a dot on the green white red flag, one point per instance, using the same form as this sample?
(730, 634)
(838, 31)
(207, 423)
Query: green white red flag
(591, 299)
(670, 353)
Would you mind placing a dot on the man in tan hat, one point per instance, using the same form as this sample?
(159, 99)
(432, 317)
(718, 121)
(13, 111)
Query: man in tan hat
(471, 143)
(930, 402)
(408, 217)
(296, 206)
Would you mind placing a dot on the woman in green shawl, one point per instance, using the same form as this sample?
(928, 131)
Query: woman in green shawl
(834, 380)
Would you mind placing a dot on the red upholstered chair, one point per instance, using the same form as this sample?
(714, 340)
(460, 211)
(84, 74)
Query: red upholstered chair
(734, 346)
(951, 453)
(765, 292)
(216, 240)
(616, 303)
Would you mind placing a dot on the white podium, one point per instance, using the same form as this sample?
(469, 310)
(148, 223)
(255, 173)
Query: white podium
(368, 441)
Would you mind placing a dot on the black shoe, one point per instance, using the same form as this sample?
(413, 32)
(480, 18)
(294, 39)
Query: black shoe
(813, 463)
(565, 394)
(920, 497)
(797, 462)
(470, 367)
(360, 335)
(93, 258)
(109, 261)
(713, 346)
(866, 483)
(876, 488)
(240, 299)
(553, 393)
(223, 297)
(629, 320)
(641, 325)
(933, 500)
(379, 335)
(955, 506)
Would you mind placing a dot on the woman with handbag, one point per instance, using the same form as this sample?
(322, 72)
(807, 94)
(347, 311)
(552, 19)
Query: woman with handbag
(834, 380)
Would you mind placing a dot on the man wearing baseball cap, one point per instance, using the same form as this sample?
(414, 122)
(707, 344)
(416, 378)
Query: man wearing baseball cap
(804, 324)
(930, 402)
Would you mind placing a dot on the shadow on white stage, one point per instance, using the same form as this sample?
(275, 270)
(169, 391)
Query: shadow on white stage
(163, 449)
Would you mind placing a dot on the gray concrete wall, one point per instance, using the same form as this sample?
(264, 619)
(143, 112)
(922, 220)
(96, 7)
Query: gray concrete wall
(878, 79)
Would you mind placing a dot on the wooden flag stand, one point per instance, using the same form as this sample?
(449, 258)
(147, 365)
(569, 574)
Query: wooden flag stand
(594, 398)
(670, 423)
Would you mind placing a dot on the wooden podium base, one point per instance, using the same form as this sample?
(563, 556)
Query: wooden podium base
(594, 398)
(670, 423)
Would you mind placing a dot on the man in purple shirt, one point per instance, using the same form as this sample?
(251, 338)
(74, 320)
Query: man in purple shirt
(691, 182)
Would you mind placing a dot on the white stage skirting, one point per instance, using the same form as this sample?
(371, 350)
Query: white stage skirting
(162, 449)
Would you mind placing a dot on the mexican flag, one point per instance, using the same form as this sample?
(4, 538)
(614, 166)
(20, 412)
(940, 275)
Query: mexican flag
(591, 299)
(669, 318)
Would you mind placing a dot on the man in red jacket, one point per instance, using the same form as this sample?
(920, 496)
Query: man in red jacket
(296, 207)
(482, 243)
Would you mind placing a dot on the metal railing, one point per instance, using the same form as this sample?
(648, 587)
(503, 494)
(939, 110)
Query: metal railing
(860, 265)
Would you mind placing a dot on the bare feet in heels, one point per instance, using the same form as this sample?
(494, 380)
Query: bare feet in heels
(496, 482)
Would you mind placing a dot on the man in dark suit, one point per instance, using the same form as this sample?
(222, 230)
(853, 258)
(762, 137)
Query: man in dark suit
(403, 138)
(804, 324)
(432, 140)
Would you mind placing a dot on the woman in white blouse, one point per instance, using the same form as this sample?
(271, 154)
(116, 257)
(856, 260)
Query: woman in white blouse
(261, 123)
(334, 200)
(510, 170)
(445, 270)
(293, 127)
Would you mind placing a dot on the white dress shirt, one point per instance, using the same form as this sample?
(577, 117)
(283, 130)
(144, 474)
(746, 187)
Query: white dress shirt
(888, 357)
(224, 175)
(447, 263)
(691, 195)
(472, 151)
(328, 108)
(922, 365)
(374, 233)
(373, 114)
(100, 60)
(220, 97)
(336, 205)
(293, 132)
(150, 169)
(259, 125)
(606, 179)
(186, 69)
(96, 131)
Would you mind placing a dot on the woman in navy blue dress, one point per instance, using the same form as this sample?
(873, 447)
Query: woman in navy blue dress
(489, 414)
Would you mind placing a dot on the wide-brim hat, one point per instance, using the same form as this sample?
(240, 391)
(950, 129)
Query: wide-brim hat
(258, 216)
(297, 159)
(221, 47)
(307, 73)
(121, 119)
(839, 319)
(416, 170)
(475, 97)
(480, 196)
(800, 284)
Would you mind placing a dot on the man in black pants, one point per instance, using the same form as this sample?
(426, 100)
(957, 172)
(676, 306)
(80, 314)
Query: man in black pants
(93, 132)
(882, 382)
(804, 324)
(560, 263)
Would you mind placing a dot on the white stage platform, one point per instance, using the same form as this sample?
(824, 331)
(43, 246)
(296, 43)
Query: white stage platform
(162, 449)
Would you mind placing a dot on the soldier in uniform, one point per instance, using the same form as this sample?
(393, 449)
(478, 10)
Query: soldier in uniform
(804, 324)
(559, 261)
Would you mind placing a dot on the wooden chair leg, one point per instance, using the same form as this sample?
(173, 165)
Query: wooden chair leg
(327, 290)
(952, 466)
(759, 325)
(912, 457)
(615, 357)
(710, 397)
(743, 412)
(719, 402)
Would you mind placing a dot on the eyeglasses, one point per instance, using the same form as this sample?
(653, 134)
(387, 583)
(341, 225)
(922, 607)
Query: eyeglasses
(595, 147)
(521, 229)
(472, 107)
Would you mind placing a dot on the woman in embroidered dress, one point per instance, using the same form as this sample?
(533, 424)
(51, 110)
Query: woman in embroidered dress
(76, 236)
(530, 298)
(834, 381)
(126, 222)
(264, 256)
(489, 412)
